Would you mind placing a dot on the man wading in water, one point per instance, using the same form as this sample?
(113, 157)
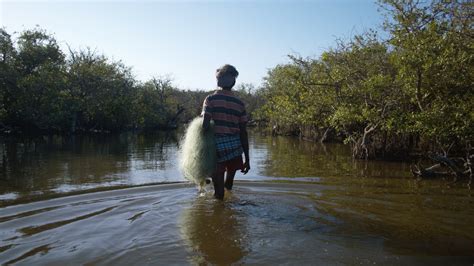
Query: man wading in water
(230, 130)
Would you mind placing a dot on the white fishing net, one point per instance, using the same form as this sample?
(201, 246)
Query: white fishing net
(198, 152)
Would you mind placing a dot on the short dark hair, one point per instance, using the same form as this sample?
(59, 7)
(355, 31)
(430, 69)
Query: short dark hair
(226, 76)
(227, 70)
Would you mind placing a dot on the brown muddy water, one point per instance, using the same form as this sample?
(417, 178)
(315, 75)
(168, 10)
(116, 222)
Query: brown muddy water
(302, 203)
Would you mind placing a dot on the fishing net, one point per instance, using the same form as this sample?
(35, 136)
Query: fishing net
(198, 152)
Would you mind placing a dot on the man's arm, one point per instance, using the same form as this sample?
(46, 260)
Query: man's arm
(244, 139)
(206, 115)
(206, 121)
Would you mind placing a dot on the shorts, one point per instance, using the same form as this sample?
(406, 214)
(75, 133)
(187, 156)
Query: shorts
(231, 165)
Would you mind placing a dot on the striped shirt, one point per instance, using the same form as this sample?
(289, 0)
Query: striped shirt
(227, 111)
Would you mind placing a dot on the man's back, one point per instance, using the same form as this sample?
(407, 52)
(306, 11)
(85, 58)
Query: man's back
(227, 111)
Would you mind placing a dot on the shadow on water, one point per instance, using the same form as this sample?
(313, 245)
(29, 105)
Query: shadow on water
(214, 231)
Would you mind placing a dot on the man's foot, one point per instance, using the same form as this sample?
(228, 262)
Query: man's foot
(219, 197)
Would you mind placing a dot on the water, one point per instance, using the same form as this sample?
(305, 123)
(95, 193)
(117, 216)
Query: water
(302, 203)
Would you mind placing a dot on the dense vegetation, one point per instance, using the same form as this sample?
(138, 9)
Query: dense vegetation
(411, 91)
(43, 90)
(388, 97)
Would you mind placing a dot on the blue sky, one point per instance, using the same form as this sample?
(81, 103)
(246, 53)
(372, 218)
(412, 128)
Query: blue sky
(188, 40)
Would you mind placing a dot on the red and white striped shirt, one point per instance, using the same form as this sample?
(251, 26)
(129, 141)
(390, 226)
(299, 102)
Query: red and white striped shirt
(226, 110)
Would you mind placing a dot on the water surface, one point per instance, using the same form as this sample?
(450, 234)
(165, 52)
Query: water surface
(302, 203)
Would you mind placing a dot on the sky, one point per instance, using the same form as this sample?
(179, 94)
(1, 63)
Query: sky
(188, 40)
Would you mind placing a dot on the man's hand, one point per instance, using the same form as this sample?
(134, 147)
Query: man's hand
(246, 168)
(244, 140)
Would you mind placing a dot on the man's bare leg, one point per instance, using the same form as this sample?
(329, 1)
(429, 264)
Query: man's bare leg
(229, 179)
(218, 181)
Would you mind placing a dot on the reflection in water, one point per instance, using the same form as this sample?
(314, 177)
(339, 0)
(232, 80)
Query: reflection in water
(214, 231)
(61, 164)
(318, 203)
(290, 157)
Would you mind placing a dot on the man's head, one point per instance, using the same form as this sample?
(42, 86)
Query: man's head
(226, 76)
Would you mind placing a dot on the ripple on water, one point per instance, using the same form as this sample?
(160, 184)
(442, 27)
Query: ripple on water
(257, 223)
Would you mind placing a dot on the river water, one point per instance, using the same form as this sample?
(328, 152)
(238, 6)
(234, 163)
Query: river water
(302, 203)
